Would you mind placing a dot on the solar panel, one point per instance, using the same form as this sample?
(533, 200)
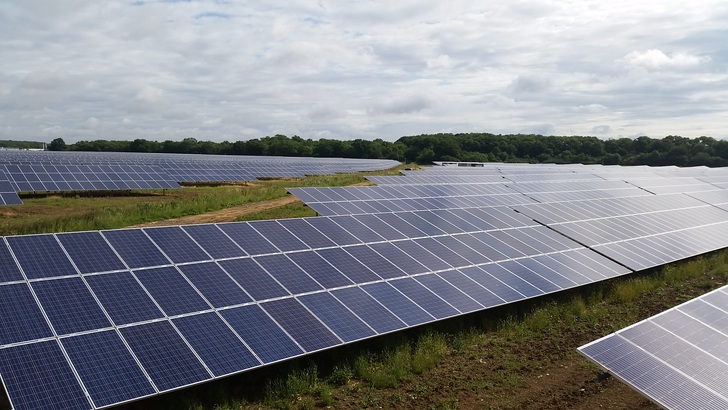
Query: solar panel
(676, 358)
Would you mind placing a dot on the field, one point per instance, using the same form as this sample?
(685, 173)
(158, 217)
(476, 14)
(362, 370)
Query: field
(520, 356)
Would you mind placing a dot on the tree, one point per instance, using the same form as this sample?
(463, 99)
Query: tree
(57, 145)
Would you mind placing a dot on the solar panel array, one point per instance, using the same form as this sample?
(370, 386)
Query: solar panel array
(94, 319)
(677, 358)
(47, 171)
(8, 194)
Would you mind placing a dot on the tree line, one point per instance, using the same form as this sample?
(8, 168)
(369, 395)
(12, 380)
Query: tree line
(426, 148)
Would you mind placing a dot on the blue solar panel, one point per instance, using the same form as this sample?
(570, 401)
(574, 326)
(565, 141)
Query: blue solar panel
(320, 270)
(89, 252)
(123, 298)
(449, 293)
(214, 284)
(256, 281)
(69, 305)
(307, 233)
(37, 376)
(382, 228)
(346, 264)
(20, 317)
(433, 304)
(176, 244)
(288, 274)
(135, 248)
(396, 222)
(375, 261)
(9, 271)
(481, 247)
(399, 258)
(332, 230)
(466, 285)
(28, 251)
(398, 303)
(171, 291)
(500, 288)
(220, 348)
(362, 232)
(279, 236)
(107, 368)
(368, 309)
(248, 238)
(164, 355)
(336, 316)
(214, 241)
(300, 324)
(264, 337)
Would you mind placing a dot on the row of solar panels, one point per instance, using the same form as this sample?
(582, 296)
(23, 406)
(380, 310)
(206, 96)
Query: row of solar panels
(178, 306)
(30, 171)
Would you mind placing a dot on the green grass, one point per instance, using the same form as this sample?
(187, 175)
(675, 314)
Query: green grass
(296, 210)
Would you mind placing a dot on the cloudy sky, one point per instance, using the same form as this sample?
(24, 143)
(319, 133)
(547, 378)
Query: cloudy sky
(232, 70)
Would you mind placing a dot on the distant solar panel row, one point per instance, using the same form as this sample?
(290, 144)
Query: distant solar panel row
(8, 195)
(111, 316)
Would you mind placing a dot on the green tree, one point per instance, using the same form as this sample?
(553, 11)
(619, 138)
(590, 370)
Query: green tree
(57, 145)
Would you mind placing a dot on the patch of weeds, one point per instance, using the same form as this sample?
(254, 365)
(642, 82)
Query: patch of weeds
(630, 290)
(341, 375)
(428, 352)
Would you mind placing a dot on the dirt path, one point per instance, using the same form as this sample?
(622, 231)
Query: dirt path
(224, 215)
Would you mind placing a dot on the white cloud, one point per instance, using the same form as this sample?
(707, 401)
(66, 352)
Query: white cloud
(375, 69)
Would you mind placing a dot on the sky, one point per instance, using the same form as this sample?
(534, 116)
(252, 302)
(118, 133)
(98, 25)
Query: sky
(235, 70)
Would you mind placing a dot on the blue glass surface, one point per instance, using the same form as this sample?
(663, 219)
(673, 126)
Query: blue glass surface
(399, 258)
(368, 309)
(176, 244)
(288, 274)
(449, 293)
(403, 226)
(90, 252)
(333, 231)
(214, 284)
(336, 316)
(256, 281)
(135, 248)
(319, 269)
(361, 231)
(214, 241)
(424, 297)
(20, 317)
(472, 256)
(53, 262)
(164, 355)
(473, 289)
(448, 255)
(69, 305)
(398, 303)
(269, 342)
(379, 226)
(375, 262)
(278, 236)
(248, 238)
(171, 291)
(300, 324)
(307, 233)
(217, 345)
(37, 376)
(497, 244)
(123, 298)
(107, 368)
(492, 283)
(8, 269)
(481, 247)
(423, 256)
(349, 266)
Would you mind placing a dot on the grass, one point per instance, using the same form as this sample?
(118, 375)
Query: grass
(86, 211)
(511, 346)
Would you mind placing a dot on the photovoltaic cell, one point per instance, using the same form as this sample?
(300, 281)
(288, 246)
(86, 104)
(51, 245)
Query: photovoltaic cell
(368, 309)
(307, 233)
(107, 368)
(214, 284)
(135, 248)
(176, 244)
(288, 274)
(399, 258)
(256, 281)
(336, 316)
(214, 241)
(424, 298)
(300, 324)
(320, 270)
(449, 293)
(349, 266)
(248, 238)
(171, 291)
(398, 303)
(20, 317)
(267, 340)
(90, 252)
(164, 355)
(27, 250)
(123, 298)
(9, 271)
(375, 261)
(69, 305)
(466, 285)
(37, 376)
(217, 345)
(279, 236)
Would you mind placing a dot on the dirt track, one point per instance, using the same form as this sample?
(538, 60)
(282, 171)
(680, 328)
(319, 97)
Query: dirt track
(224, 215)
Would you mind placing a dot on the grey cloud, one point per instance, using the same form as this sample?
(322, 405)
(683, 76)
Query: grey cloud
(601, 129)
